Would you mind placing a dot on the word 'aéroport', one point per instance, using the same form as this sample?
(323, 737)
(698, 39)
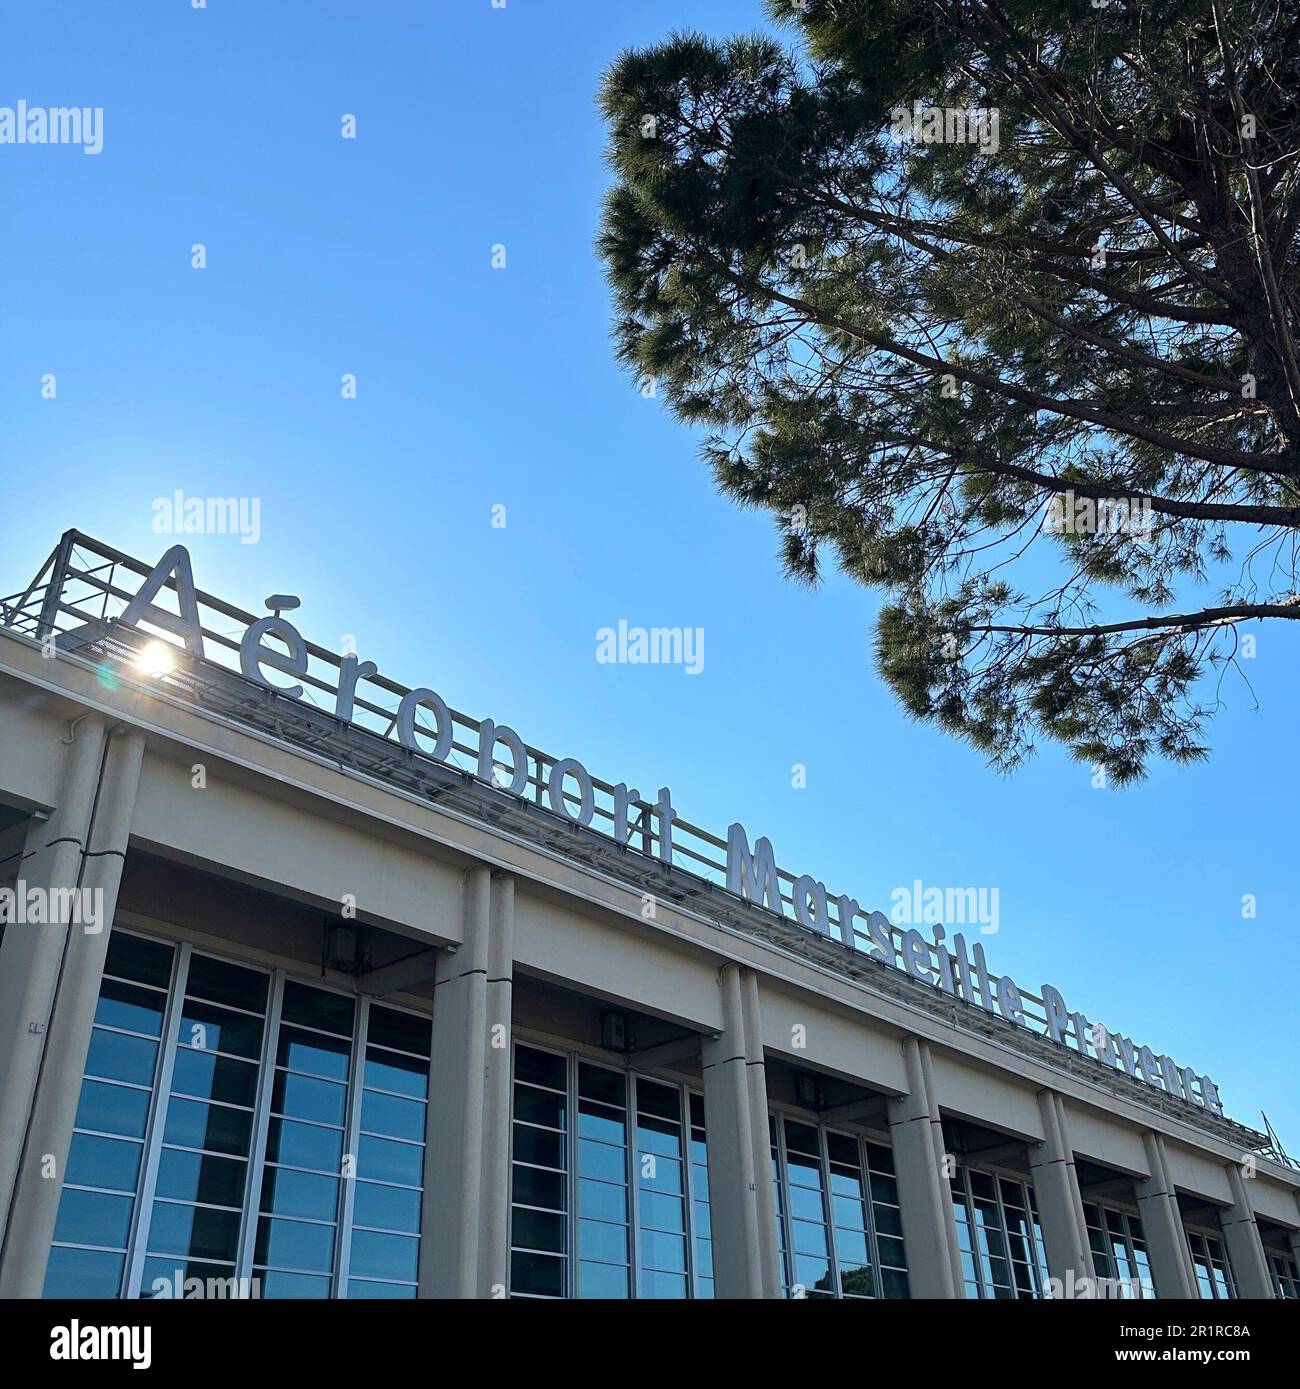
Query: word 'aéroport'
(751, 872)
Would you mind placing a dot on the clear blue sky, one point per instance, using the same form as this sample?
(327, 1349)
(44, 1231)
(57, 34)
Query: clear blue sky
(479, 387)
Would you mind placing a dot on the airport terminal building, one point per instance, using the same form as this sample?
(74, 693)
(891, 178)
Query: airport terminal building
(312, 986)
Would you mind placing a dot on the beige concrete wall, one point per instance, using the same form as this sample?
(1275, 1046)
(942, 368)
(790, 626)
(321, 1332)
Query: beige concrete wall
(1096, 1136)
(276, 842)
(1197, 1174)
(1272, 1199)
(809, 1033)
(31, 759)
(976, 1093)
(616, 961)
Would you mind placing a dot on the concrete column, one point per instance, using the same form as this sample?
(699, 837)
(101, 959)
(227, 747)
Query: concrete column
(1242, 1239)
(1056, 1190)
(467, 1160)
(924, 1196)
(39, 1181)
(31, 955)
(1162, 1224)
(746, 1259)
(498, 1106)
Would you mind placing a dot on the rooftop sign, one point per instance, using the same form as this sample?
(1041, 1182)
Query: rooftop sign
(423, 723)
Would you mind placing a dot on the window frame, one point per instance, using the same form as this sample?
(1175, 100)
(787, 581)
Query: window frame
(779, 1116)
(131, 1283)
(571, 1256)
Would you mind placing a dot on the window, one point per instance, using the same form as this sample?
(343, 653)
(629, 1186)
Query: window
(613, 1204)
(1119, 1249)
(1286, 1275)
(998, 1236)
(699, 1179)
(1210, 1261)
(88, 1258)
(387, 1195)
(839, 1230)
(278, 1137)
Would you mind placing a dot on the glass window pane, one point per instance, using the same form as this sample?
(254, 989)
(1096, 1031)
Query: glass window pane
(219, 982)
(655, 1283)
(534, 1187)
(107, 1162)
(386, 1161)
(358, 1288)
(385, 1070)
(208, 1028)
(602, 1201)
(387, 1207)
(310, 1052)
(206, 1234)
(538, 1275)
(539, 1107)
(537, 1230)
(294, 1244)
(660, 1212)
(660, 1173)
(115, 1056)
(214, 1181)
(384, 1256)
(601, 1280)
(210, 1077)
(317, 1008)
(401, 1031)
(602, 1123)
(596, 1083)
(663, 1251)
(83, 1273)
(124, 1005)
(390, 1115)
(305, 1145)
(597, 1240)
(304, 1097)
(539, 1068)
(87, 1217)
(112, 1109)
(286, 1192)
(539, 1146)
(194, 1125)
(277, 1284)
(813, 1274)
(601, 1160)
(133, 957)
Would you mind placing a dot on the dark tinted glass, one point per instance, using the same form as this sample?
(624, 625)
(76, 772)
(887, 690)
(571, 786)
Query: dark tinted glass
(208, 1028)
(145, 961)
(316, 1008)
(129, 1007)
(401, 1031)
(219, 982)
(214, 1181)
(539, 1068)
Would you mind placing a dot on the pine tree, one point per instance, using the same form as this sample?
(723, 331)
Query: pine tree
(994, 305)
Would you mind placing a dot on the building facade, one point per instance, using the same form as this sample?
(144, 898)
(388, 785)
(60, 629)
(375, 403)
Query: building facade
(303, 994)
